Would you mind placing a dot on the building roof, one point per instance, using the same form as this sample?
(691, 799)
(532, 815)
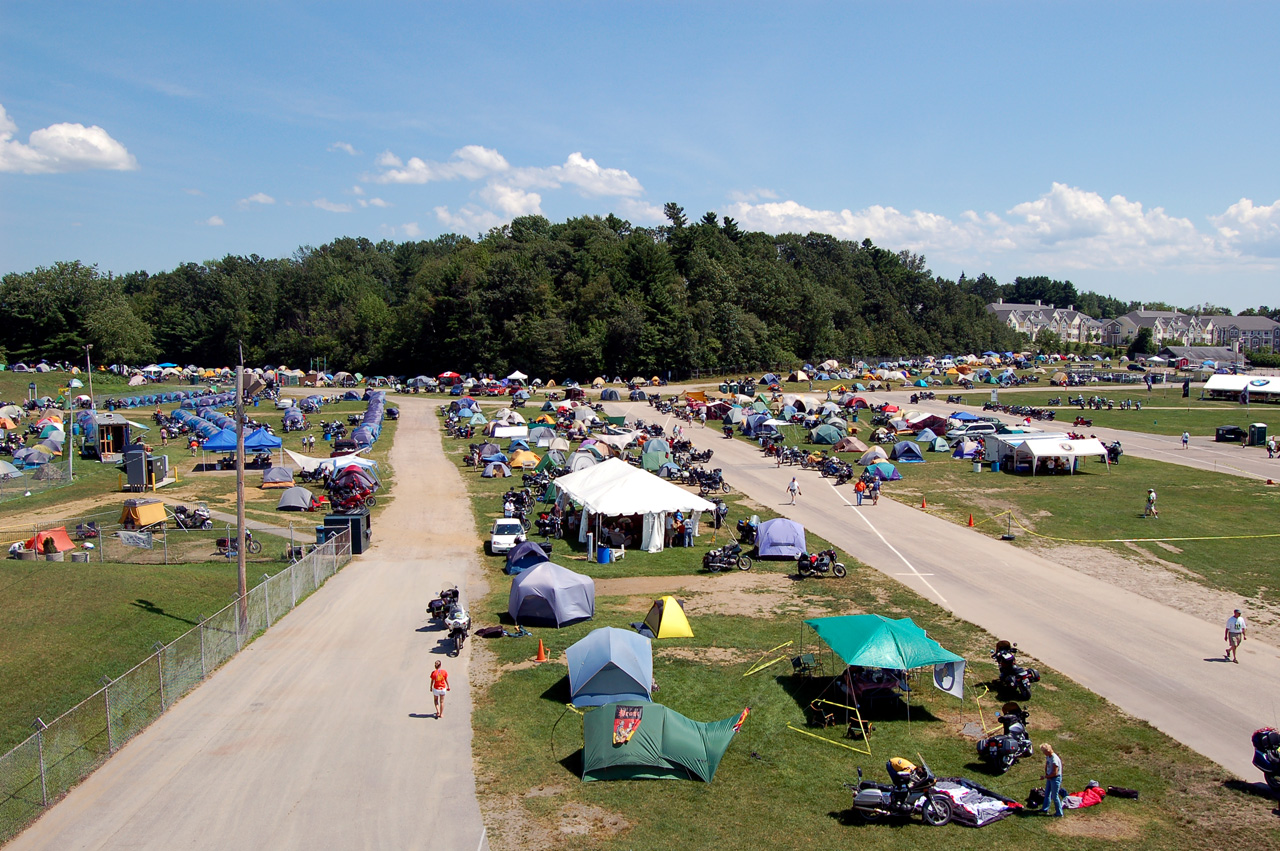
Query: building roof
(1249, 323)
(1200, 354)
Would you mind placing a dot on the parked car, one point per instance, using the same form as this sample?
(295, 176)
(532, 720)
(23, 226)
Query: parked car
(504, 535)
(971, 430)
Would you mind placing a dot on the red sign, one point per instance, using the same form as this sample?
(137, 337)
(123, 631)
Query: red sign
(626, 720)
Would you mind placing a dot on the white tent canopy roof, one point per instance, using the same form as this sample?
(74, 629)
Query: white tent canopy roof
(517, 376)
(614, 487)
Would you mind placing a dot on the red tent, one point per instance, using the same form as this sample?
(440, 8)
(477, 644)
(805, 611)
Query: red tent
(59, 536)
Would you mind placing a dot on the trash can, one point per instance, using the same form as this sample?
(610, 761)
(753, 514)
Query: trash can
(1257, 434)
(977, 466)
(604, 555)
(995, 466)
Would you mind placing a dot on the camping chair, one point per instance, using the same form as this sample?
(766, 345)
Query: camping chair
(618, 553)
(804, 665)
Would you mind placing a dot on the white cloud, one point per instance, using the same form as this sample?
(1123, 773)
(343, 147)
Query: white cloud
(61, 148)
(386, 159)
(471, 162)
(640, 212)
(752, 195)
(1066, 228)
(510, 201)
(357, 189)
(373, 202)
(469, 219)
(214, 222)
(193, 191)
(330, 206)
(411, 230)
(256, 198)
(344, 147)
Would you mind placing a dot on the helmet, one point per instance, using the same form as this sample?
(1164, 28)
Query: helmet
(902, 766)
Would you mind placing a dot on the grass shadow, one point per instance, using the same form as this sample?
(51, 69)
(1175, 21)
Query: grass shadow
(152, 609)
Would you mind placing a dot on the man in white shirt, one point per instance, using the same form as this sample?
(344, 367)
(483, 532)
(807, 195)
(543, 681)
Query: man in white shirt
(1234, 635)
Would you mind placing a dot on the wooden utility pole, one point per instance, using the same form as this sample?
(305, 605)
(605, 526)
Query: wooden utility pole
(240, 571)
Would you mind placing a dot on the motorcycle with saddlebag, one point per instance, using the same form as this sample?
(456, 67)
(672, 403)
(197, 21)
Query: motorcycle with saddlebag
(913, 792)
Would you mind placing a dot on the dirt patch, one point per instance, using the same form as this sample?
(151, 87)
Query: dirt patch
(707, 655)
(545, 791)
(587, 819)
(738, 593)
(1168, 547)
(508, 825)
(1142, 572)
(1103, 824)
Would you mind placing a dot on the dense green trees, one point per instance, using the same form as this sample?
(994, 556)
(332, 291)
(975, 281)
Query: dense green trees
(583, 297)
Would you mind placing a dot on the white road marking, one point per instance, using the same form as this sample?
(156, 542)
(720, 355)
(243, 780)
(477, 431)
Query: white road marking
(915, 573)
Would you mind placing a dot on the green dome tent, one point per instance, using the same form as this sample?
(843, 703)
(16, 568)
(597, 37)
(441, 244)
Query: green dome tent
(828, 434)
(663, 744)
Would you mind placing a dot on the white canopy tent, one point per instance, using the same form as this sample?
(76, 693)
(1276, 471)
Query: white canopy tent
(1033, 451)
(614, 488)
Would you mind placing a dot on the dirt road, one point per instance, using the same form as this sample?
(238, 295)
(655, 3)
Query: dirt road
(319, 734)
(1151, 660)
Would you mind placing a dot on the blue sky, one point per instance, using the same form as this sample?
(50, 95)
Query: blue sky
(1130, 147)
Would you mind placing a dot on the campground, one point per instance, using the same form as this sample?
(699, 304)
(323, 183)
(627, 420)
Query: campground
(775, 782)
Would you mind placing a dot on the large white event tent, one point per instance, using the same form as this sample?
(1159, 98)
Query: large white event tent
(1032, 450)
(614, 488)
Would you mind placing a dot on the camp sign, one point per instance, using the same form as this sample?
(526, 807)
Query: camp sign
(626, 720)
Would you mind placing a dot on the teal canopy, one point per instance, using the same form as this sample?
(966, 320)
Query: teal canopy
(874, 641)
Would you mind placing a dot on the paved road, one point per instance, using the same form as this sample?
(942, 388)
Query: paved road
(1151, 660)
(318, 735)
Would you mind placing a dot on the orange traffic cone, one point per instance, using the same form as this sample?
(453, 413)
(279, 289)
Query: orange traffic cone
(970, 521)
(923, 503)
(542, 653)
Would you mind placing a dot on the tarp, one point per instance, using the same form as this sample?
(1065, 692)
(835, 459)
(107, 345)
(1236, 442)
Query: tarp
(551, 595)
(780, 537)
(664, 746)
(610, 665)
(666, 619)
(874, 641)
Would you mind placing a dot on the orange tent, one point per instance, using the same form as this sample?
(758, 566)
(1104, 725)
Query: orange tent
(59, 536)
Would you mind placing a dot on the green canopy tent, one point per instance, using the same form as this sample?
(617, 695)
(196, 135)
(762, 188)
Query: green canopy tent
(663, 744)
(874, 641)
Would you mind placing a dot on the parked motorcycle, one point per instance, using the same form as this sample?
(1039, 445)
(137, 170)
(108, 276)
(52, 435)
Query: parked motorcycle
(747, 529)
(1266, 757)
(820, 564)
(1114, 451)
(458, 622)
(726, 558)
(1002, 752)
(874, 801)
(193, 518)
(1013, 677)
(440, 606)
(227, 546)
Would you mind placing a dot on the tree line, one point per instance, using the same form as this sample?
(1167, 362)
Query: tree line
(588, 296)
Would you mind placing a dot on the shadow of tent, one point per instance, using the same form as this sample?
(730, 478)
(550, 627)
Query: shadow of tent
(573, 763)
(888, 707)
(558, 692)
(1257, 790)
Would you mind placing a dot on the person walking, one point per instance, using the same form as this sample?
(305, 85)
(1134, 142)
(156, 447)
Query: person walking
(439, 686)
(1234, 635)
(859, 489)
(1150, 510)
(1186, 439)
(875, 491)
(794, 489)
(1052, 781)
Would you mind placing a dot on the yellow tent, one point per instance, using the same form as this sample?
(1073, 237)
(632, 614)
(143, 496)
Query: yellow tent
(598, 382)
(546, 418)
(666, 619)
(524, 458)
(142, 513)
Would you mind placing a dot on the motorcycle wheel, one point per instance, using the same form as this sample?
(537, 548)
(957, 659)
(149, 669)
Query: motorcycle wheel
(1273, 783)
(839, 571)
(1006, 762)
(936, 811)
(253, 546)
(714, 567)
(868, 816)
(207, 525)
(724, 487)
(744, 562)
(370, 501)
(1024, 691)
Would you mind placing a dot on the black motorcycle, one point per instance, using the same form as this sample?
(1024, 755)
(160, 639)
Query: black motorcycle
(874, 801)
(440, 606)
(747, 529)
(726, 558)
(1002, 752)
(1266, 757)
(728, 432)
(1014, 678)
(820, 564)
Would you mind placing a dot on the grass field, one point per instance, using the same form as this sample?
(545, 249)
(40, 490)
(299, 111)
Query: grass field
(778, 788)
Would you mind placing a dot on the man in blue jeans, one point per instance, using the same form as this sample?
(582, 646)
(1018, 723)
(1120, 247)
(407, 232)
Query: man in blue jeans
(1052, 780)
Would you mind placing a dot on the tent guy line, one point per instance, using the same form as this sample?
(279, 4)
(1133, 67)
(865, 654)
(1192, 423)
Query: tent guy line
(892, 548)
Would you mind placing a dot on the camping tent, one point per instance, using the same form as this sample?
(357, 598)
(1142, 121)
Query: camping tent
(884, 471)
(496, 470)
(850, 444)
(523, 556)
(297, 499)
(666, 619)
(548, 594)
(966, 449)
(872, 455)
(141, 513)
(906, 452)
(874, 641)
(664, 744)
(780, 538)
(613, 488)
(827, 434)
(610, 665)
(938, 444)
(524, 458)
(61, 540)
(277, 477)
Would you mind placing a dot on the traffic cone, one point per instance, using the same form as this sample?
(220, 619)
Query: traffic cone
(970, 521)
(542, 653)
(923, 503)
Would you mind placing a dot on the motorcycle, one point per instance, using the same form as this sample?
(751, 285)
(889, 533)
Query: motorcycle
(1002, 752)
(1013, 677)
(1266, 757)
(726, 558)
(1114, 451)
(227, 546)
(440, 606)
(458, 622)
(352, 500)
(193, 518)
(819, 564)
(747, 529)
(728, 432)
(874, 801)
(1081, 421)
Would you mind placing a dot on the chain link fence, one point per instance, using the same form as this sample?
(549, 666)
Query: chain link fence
(38, 772)
(33, 480)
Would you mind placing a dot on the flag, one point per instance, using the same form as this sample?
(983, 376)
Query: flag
(626, 720)
(1244, 397)
(949, 677)
(743, 717)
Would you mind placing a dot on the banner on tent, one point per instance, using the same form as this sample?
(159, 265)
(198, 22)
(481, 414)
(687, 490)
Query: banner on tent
(626, 720)
(141, 540)
(949, 677)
